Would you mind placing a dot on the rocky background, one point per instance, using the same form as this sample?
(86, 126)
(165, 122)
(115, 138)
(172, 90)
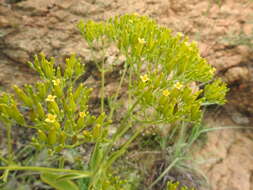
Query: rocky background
(28, 27)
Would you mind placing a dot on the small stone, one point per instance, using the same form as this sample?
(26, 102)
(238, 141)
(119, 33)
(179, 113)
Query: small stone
(4, 22)
(237, 74)
(239, 118)
(64, 4)
(56, 43)
(223, 62)
(61, 15)
(80, 9)
(243, 50)
(35, 7)
(17, 55)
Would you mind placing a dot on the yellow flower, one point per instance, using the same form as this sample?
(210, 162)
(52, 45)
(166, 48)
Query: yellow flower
(180, 34)
(141, 41)
(212, 71)
(144, 78)
(86, 133)
(178, 85)
(50, 98)
(166, 92)
(82, 114)
(194, 43)
(50, 118)
(187, 43)
(56, 82)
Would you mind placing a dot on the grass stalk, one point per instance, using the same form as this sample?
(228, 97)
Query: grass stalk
(164, 172)
(45, 169)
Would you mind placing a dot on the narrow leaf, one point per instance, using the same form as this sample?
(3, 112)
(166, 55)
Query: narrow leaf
(51, 179)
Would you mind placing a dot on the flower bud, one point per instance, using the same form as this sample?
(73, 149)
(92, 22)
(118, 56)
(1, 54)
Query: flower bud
(52, 136)
(42, 136)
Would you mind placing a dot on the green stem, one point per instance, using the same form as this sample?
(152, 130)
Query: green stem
(130, 85)
(122, 150)
(102, 85)
(181, 139)
(117, 92)
(163, 146)
(165, 172)
(122, 129)
(93, 158)
(61, 162)
(9, 143)
(222, 128)
(106, 164)
(151, 122)
(130, 94)
(4, 160)
(44, 169)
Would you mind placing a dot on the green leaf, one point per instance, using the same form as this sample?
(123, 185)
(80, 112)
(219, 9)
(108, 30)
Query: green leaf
(215, 92)
(23, 96)
(71, 176)
(51, 179)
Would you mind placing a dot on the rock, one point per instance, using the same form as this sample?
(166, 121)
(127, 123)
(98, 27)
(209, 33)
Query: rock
(243, 50)
(28, 40)
(35, 7)
(227, 157)
(239, 118)
(80, 8)
(75, 48)
(4, 22)
(222, 62)
(60, 15)
(56, 44)
(247, 29)
(19, 56)
(12, 1)
(237, 74)
(64, 4)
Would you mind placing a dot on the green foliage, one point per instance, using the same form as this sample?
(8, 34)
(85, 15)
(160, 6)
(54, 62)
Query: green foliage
(215, 91)
(172, 64)
(175, 186)
(141, 39)
(161, 73)
(57, 109)
(59, 184)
